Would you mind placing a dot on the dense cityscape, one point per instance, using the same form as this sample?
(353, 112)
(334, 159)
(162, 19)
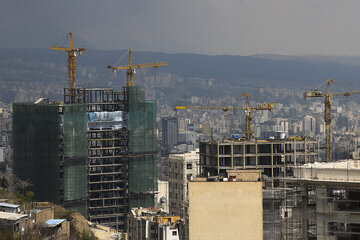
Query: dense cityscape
(178, 120)
(141, 160)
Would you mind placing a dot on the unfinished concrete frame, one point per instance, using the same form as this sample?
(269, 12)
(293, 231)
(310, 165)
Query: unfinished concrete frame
(107, 158)
(322, 210)
(275, 157)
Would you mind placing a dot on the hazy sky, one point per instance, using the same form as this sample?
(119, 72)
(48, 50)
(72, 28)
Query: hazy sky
(237, 27)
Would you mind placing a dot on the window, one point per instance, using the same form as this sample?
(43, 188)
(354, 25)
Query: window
(188, 166)
(174, 233)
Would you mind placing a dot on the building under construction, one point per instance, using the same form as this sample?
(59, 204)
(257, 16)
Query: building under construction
(108, 138)
(275, 157)
(324, 202)
(50, 151)
(121, 131)
(95, 152)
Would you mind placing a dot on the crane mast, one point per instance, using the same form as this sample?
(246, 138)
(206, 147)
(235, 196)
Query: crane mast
(130, 68)
(72, 54)
(327, 116)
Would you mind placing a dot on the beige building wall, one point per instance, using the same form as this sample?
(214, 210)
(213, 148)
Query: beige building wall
(225, 210)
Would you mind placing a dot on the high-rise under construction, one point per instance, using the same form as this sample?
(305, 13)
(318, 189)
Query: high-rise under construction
(50, 151)
(99, 151)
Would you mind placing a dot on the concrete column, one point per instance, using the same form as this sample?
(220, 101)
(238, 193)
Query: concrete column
(244, 158)
(232, 154)
(272, 165)
(304, 214)
(322, 213)
(295, 145)
(218, 158)
(305, 152)
(256, 155)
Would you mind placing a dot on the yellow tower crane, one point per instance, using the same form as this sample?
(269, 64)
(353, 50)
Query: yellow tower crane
(130, 68)
(248, 109)
(315, 93)
(248, 118)
(72, 53)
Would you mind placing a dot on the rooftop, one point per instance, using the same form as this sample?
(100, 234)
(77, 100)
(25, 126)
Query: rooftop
(190, 154)
(347, 164)
(340, 171)
(11, 216)
(54, 222)
(8, 205)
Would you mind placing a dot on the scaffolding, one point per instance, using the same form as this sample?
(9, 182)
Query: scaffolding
(50, 151)
(275, 157)
(121, 128)
(321, 205)
(107, 141)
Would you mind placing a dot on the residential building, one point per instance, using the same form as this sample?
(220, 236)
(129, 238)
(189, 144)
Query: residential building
(152, 224)
(182, 168)
(226, 207)
(169, 126)
(7, 207)
(309, 125)
(57, 229)
(13, 225)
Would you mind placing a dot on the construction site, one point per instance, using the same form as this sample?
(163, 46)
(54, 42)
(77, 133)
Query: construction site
(275, 157)
(323, 202)
(288, 204)
(50, 151)
(94, 152)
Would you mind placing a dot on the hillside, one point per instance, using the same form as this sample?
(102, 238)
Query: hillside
(43, 72)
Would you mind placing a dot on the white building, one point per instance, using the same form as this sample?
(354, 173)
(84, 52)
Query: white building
(182, 168)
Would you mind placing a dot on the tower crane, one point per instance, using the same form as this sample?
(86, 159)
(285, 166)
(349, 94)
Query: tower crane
(72, 53)
(315, 93)
(130, 68)
(248, 109)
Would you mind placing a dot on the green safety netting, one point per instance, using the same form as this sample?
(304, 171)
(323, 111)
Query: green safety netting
(142, 148)
(141, 122)
(37, 135)
(75, 155)
(39, 132)
(142, 180)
